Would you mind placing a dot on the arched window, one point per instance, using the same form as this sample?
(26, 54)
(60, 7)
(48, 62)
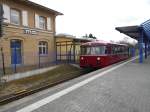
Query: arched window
(43, 48)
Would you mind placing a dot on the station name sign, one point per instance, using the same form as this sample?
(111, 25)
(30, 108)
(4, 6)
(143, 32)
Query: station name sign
(30, 31)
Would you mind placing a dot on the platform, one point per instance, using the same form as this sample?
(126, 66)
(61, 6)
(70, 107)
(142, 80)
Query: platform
(124, 88)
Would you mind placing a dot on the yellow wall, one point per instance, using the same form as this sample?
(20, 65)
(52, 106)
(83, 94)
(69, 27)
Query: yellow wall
(29, 46)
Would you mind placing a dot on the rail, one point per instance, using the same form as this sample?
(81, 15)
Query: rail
(23, 93)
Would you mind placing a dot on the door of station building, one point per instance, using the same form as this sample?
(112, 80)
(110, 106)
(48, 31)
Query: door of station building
(16, 49)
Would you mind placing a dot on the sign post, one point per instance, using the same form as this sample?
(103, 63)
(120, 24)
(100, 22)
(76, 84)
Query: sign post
(4, 71)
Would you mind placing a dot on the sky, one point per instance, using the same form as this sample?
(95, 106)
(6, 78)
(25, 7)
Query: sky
(99, 17)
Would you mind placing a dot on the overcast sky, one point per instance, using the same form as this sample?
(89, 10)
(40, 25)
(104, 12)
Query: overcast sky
(99, 17)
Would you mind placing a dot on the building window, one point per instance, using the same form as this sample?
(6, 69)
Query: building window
(43, 48)
(15, 17)
(42, 22)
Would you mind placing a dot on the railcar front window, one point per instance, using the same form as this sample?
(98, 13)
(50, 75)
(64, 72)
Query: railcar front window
(85, 50)
(96, 50)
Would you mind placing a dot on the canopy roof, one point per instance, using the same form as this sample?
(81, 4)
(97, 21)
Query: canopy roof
(135, 31)
(131, 31)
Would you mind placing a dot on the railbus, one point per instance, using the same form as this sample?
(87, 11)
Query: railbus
(99, 54)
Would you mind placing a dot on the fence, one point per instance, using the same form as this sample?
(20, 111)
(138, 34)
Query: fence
(24, 62)
(20, 62)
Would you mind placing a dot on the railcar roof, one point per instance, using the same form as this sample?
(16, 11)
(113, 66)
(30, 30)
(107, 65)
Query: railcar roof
(95, 43)
(101, 42)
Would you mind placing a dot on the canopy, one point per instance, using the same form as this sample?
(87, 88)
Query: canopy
(141, 33)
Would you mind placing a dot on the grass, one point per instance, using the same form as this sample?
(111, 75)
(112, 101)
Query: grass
(20, 69)
(50, 77)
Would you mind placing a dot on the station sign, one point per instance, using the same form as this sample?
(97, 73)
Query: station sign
(30, 31)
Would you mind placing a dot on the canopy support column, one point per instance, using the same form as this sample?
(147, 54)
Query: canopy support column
(148, 47)
(145, 49)
(74, 53)
(141, 47)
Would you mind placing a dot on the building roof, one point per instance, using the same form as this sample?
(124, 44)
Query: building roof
(64, 35)
(68, 36)
(28, 2)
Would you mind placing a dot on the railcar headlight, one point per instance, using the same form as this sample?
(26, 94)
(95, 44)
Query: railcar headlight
(98, 58)
(82, 58)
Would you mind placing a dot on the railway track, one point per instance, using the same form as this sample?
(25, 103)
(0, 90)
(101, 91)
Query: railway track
(21, 94)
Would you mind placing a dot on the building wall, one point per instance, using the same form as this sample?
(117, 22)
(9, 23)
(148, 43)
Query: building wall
(30, 50)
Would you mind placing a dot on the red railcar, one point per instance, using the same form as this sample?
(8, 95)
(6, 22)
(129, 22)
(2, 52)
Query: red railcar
(99, 54)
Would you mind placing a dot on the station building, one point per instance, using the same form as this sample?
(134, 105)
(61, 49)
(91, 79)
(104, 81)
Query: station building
(29, 32)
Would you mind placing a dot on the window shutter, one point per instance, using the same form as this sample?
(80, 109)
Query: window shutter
(36, 20)
(25, 18)
(6, 9)
(49, 23)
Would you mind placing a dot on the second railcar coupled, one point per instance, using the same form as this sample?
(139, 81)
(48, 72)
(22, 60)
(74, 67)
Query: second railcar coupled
(100, 54)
